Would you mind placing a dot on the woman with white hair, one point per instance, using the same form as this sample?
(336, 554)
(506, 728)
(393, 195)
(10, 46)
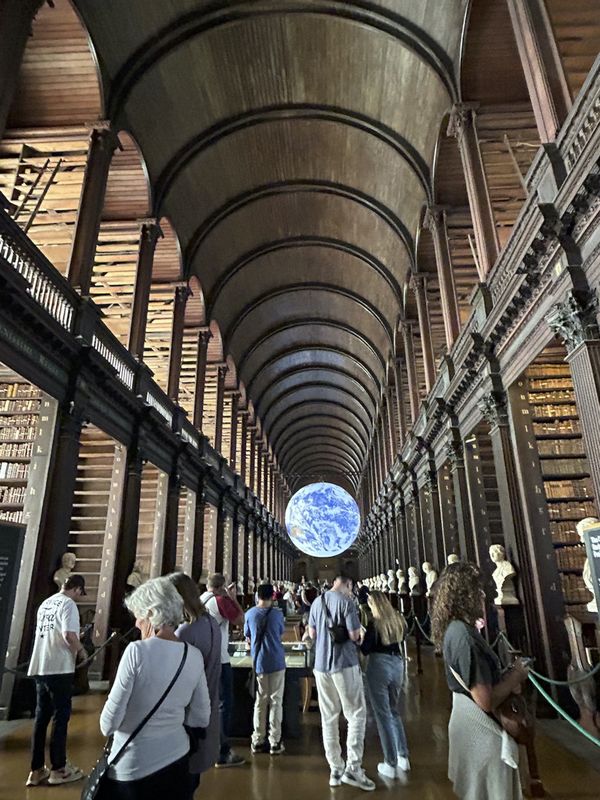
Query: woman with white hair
(155, 763)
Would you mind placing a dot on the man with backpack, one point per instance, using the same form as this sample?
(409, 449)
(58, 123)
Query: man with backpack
(264, 628)
(335, 627)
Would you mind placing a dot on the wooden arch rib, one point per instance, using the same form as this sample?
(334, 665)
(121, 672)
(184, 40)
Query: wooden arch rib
(199, 21)
(308, 432)
(324, 368)
(277, 113)
(324, 447)
(323, 384)
(293, 242)
(295, 187)
(310, 322)
(325, 419)
(345, 392)
(311, 426)
(128, 194)
(310, 406)
(317, 465)
(314, 287)
(302, 349)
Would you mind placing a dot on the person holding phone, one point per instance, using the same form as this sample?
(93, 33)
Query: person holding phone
(478, 763)
(222, 604)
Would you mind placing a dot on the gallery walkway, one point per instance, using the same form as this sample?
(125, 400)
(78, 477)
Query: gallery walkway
(301, 774)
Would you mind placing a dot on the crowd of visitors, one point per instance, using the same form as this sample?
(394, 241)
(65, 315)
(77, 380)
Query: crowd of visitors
(169, 709)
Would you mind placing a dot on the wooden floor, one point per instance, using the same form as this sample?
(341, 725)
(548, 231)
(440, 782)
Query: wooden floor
(302, 773)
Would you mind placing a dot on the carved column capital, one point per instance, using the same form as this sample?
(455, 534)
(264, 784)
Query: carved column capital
(455, 452)
(461, 118)
(435, 217)
(493, 408)
(575, 320)
(418, 283)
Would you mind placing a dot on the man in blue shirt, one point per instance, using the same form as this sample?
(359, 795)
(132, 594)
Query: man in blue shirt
(335, 627)
(263, 628)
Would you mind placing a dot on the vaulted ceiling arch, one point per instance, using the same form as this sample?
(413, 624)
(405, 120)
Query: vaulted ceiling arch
(321, 417)
(324, 448)
(335, 429)
(312, 436)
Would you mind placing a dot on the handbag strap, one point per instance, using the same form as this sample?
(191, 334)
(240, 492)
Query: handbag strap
(459, 680)
(261, 634)
(151, 713)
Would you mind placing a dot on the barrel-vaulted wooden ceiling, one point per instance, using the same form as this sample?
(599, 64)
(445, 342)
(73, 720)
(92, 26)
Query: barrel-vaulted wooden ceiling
(291, 143)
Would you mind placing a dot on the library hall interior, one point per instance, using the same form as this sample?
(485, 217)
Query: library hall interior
(299, 399)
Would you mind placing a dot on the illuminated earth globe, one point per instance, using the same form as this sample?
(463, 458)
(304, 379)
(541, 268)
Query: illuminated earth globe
(322, 519)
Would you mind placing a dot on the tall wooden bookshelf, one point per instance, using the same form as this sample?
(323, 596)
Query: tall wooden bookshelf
(152, 518)
(91, 504)
(186, 518)
(565, 470)
(209, 554)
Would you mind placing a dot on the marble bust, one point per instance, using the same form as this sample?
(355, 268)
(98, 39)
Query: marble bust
(503, 576)
(431, 577)
(453, 558)
(137, 576)
(383, 585)
(581, 526)
(401, 578)
(67, 565)
(414, 582)
(392, 584)
(251, 585)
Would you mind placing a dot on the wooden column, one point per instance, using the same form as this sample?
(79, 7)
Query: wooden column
(462, 125)
(58, 503)
(447, 511)
(149, 233)
(181, 295)
(398, 384)
(418, 284)
(221, 371)
(258, 467)
(548, 89)
(252, 481)
(575, 321)
(220, 541)
(390, 426)
(204, 336)
(233, 449)
(464, 525)
(234, 547)
(103, 141)
(255, 552)
(16, 17)
(477, 503)
(435, 221)
(169, 554)
(411, 368)
(198, 547)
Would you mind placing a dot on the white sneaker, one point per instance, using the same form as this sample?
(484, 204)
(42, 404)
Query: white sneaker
(357, 777)
(67, 774)
(38, 776)
(386, 770)
(335, 778)
(403, 764)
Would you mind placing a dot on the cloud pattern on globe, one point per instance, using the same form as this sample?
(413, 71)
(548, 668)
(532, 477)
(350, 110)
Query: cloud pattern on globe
(322, 519)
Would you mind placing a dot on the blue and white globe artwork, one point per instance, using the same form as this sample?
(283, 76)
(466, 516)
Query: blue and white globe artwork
(322, 519)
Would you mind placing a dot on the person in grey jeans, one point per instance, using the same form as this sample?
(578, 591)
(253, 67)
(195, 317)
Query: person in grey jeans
(335, 627)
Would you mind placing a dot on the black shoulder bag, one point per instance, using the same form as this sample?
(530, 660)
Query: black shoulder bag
(95, 783)
(337, 633)
(251, 682)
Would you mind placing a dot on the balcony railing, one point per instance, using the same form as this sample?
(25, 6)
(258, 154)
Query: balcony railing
(109, 347)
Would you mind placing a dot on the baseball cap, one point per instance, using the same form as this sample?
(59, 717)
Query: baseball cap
(75, 582)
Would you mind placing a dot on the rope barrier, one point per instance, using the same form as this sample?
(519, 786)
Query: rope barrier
(422, 631)
(563, 713)
(571, 682)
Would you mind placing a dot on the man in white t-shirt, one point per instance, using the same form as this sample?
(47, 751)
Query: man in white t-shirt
(222, 604)
(55, 651)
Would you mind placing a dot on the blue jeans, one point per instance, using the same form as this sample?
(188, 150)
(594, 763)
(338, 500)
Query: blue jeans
(385, 674)
(54, 694)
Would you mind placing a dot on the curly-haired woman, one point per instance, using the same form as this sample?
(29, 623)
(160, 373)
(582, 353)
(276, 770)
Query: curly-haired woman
(475, 759)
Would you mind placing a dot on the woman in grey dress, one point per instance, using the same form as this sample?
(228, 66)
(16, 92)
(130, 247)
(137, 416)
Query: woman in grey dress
(482, 758)
(202, 631)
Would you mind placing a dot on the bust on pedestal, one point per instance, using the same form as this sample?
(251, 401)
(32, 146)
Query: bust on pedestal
(67, 565)
(453, 559)
(431, 577)
(392, 584)
(503, 576)
(581, 526)
(401, 578)
(414, 582)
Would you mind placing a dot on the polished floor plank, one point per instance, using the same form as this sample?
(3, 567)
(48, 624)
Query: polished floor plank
(301, 773)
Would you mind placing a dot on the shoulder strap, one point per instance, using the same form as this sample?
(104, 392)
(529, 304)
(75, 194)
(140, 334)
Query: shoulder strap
(460, 680)
(326, 608)
(151, 713)
(261, 634)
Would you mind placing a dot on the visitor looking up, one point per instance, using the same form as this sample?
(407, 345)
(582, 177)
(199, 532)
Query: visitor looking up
(223, 606)
(477, 744)
(155, 764)
(385, 676)
(56, 648)
(335, 626)
(200, 630)
(264, 627)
